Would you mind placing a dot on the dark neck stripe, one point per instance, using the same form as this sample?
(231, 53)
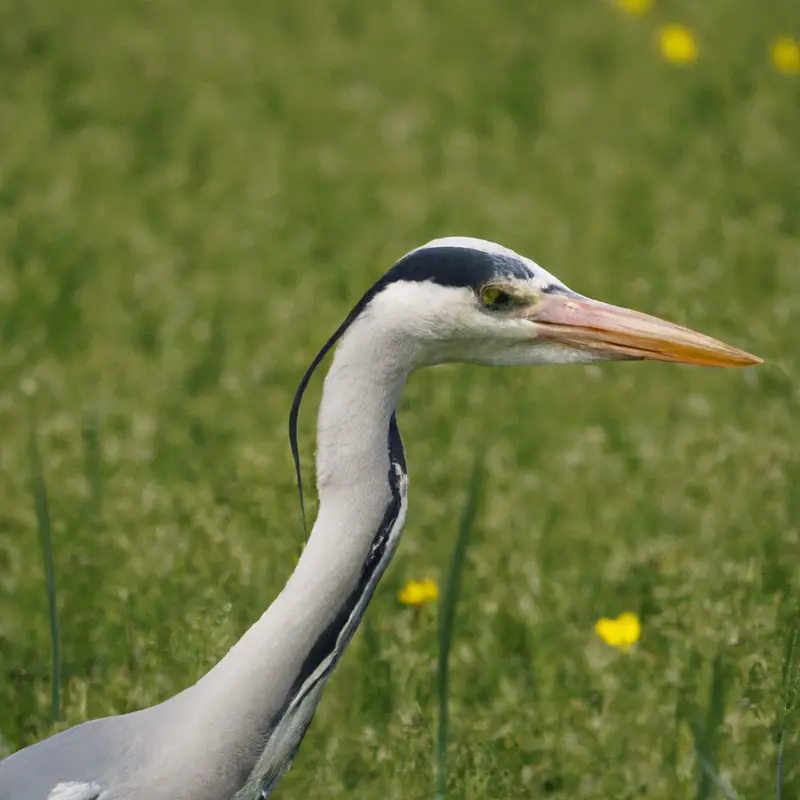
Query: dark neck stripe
(339, 632)
(330, 638)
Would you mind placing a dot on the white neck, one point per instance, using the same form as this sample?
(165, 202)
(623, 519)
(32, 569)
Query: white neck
(238, 703)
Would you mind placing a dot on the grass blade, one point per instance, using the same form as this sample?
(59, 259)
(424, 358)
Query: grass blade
(39, 491)
(707, 768)
(446, 617)
(791, 681)
(706, 738)
(93, 459)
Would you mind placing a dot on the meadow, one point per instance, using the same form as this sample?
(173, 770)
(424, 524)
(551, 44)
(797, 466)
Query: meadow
(192, 197)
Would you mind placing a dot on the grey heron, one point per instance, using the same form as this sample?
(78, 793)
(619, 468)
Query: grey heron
(235, 732)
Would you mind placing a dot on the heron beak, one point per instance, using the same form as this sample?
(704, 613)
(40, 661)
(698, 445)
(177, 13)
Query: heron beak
(619, 333)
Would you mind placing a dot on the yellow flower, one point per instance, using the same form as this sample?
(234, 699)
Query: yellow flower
(415, 593)
(634, 6)
(621, 632)
(784, 52)
(677, 44)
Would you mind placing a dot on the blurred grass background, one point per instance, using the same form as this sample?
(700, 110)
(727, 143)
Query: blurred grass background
(193, 195)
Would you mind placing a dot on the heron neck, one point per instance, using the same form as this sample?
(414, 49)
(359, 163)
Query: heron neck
(239, 703)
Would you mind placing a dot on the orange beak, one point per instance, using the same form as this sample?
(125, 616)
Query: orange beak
(619, 333)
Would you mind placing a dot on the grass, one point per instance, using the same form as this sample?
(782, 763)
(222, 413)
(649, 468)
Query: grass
(193, 195)
(39, 492)
(447, 609)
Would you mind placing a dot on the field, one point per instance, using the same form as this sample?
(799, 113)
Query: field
(194, 194)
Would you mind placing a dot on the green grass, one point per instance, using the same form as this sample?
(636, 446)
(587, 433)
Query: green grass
(193, 195)
(446, 615)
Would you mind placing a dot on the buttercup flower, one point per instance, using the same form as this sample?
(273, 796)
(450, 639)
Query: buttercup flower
(784, 53)
(621, 632)
(415, 593)
(677, 44)
(634, 6)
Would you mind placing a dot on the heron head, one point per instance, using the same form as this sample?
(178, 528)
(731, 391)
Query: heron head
(462, 299)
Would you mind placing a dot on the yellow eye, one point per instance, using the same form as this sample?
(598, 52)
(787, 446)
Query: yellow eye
(494, 297)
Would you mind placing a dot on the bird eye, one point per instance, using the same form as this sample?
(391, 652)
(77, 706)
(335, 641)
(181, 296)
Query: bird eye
(493, 297)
